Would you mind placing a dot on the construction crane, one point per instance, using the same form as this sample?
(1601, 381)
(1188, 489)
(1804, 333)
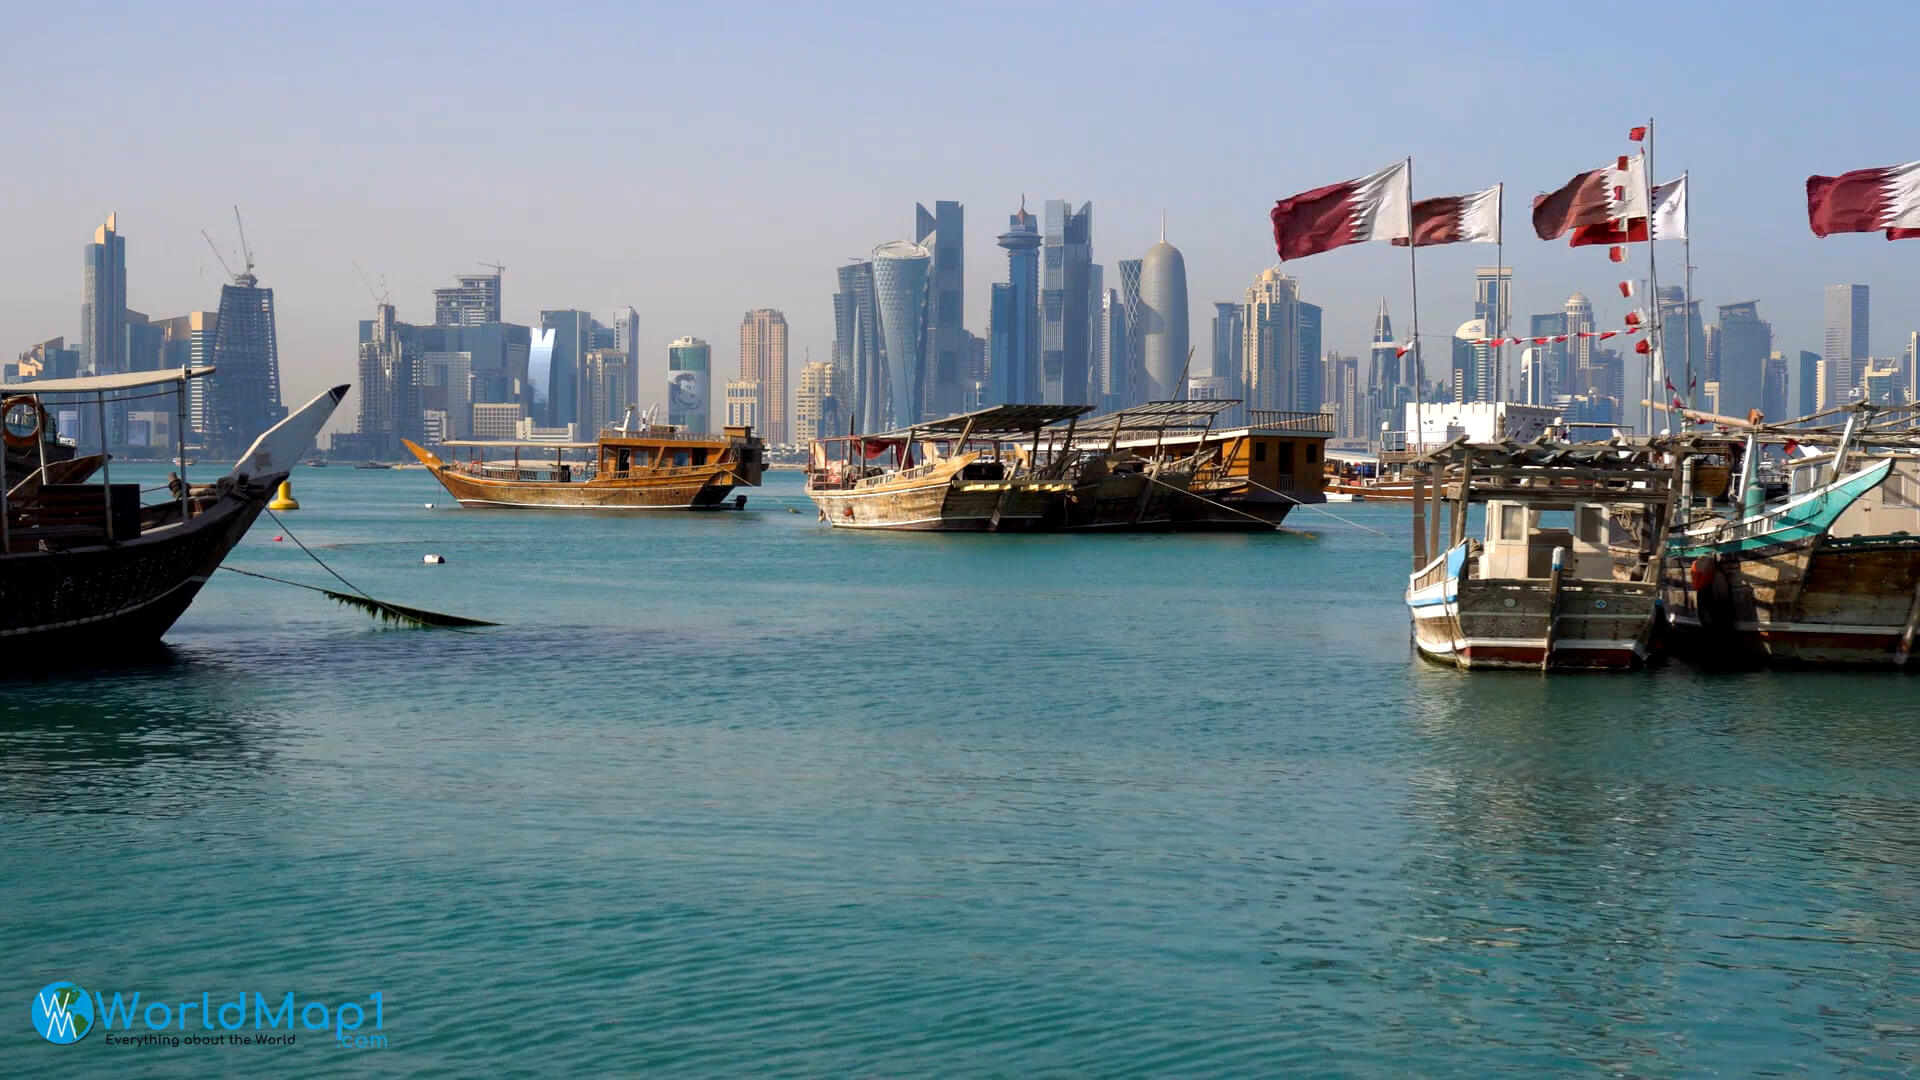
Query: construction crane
(216, 253)
(495, 267)
(379, 295)
(245, 252)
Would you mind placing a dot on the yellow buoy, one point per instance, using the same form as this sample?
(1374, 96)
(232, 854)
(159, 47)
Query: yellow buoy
(283, 499)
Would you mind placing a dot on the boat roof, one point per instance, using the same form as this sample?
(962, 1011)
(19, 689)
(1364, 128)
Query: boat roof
(96, 384)
(1157, 416)
(1000, 421)
(522, 444)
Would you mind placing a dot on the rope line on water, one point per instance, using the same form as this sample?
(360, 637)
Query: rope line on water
(389, 608)
(1316, 507)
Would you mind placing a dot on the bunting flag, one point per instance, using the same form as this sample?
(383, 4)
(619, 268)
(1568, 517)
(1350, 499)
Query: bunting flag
(1866, 200)
(1373, 207)
(1637, 134)
(1633, 318)
(1473, 218)
(1617, 253)
(1626, 288)
(1669, 220)
(1644, 347)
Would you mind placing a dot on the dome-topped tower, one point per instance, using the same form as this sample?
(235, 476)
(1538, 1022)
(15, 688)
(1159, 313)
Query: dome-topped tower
(1163, 320)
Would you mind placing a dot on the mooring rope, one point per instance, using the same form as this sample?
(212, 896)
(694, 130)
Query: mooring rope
(389, 608)
(1316, 507)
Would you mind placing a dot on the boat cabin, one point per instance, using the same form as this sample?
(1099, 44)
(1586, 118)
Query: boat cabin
(1521, 538)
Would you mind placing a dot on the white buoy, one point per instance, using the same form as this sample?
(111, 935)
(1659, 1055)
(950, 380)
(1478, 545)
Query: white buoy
(428, 505)
(434, 560)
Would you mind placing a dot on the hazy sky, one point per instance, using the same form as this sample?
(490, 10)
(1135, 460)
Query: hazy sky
(698, 160)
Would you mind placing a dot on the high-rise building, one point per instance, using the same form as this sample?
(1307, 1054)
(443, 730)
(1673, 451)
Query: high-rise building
(1068, 259)
(1493, 301)
(818, 402)
(1579, 316)
(103, 302)
(1712, 370)
(1808, 384)
(1014, 360)
(1534, 386)
(900, 286)
(1227, 341)
(977, 385)
(1269, 377)
(1163, 321)
(1846, 333)
(689, 367)
(1472, 368)
(473, 302)
(446, 387)
(187, 341)
(626, 338)
(1683, 338)
(943, 379)
(763, 361)
(1913, 366)
(608, 379)
(856, 344)
(557, 390)
(1387, 380)
(1136, 348)
(1773, 387)
(744, 398)
(1310, 390)
(1349, 397)
(1554, 359)
(1116, 340)
(242, 398)
(1746, 340)
(1096, 334)
(389, 386)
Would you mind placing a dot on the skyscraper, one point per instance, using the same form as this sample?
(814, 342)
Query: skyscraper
(1471, 375)
(1270, 353)
(187, 341)
(1014, 353)
(389, 386)
(626, 336)
(856, 345)
(689, 371)
(242, 398)
(817, 402)
(103, 302)
(1130, 308)
(561, 387)
(608, 379)
(1773, 387)
(900, 287)
(1846, 333)
(1745, 342)
(1553, 358)
(1064, 358)
(1579, 316)
(473, 302)
(1493, 301)
(1116, 345)
(1310, 390)
(1683, 339)
(1808, 378)
(1163, 322)
(1226, 341)
(945, 360)
(1387, 380)
(763, 359)
(1096, 334)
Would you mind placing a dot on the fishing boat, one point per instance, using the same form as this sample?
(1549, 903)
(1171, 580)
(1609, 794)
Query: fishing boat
(966, 473)
(375, 464)
(85, 568)
(646, 466)
(1821, 573)
(1567, 573)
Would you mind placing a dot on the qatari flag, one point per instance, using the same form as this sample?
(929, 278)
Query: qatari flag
(1351, 212)
(1587, 199)
(1473, 218)
(1866, 200)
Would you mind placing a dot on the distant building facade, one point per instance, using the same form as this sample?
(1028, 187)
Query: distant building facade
(1067, 263)
(943, 377)
(900, 285)
(689, 369)
(1014, 338)
(1163, 322)
(744, 398)
(763, 362)
(473, 302)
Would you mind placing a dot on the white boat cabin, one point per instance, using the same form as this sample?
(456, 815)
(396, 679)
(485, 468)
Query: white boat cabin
(1521, 538)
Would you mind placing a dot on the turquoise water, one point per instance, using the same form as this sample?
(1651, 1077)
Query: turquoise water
(737, 794)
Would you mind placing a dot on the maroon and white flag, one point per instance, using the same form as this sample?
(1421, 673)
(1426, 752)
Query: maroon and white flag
(1866, 200)
(1473, 218)
(1587, 199)
(1372, 207)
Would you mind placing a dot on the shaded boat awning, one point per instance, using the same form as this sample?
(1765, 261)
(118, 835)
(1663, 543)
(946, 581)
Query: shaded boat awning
(1156, 416)
(98, 384)
(519, 444)
(998, 422)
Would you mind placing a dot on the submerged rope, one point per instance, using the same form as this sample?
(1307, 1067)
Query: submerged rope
(391, 609)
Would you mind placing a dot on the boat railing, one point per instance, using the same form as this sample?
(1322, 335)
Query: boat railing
(614, 433)
(1290, 420)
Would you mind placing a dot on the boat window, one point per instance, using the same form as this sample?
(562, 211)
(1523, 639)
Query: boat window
(1286, 457)
(1259, 451)
(1590, 521)
(700, 456)
(1513, 522)
(679, 457)
(621, 459)
(1313, 453)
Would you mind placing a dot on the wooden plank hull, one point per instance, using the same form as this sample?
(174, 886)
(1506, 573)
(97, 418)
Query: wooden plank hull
(697, 489)
(1834, 601)
(1476, 623)
(940, 504)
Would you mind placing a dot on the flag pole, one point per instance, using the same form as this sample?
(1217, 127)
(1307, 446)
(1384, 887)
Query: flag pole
(1500, 293)
(1693, 316)
(1413, 280)
(1655, 378)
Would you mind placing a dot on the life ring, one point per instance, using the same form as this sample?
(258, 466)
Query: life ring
(39, 421)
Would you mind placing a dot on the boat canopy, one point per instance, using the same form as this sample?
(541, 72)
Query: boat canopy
(998, 422)
(520, 444)
(100, 384)
(1155, 416)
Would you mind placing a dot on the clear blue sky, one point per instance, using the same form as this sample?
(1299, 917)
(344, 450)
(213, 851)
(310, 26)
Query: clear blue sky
(698, 160)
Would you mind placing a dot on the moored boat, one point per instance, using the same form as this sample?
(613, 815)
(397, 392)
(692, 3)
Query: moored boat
(1567, 575)
(648, 467)
(88, 570)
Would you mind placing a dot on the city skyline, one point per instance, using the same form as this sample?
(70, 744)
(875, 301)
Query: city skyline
(677, 245)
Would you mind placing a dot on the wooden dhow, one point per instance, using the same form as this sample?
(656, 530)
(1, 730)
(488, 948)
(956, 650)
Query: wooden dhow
(966, 473)
(85, 569)
(1577, 593)
(644, 467)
